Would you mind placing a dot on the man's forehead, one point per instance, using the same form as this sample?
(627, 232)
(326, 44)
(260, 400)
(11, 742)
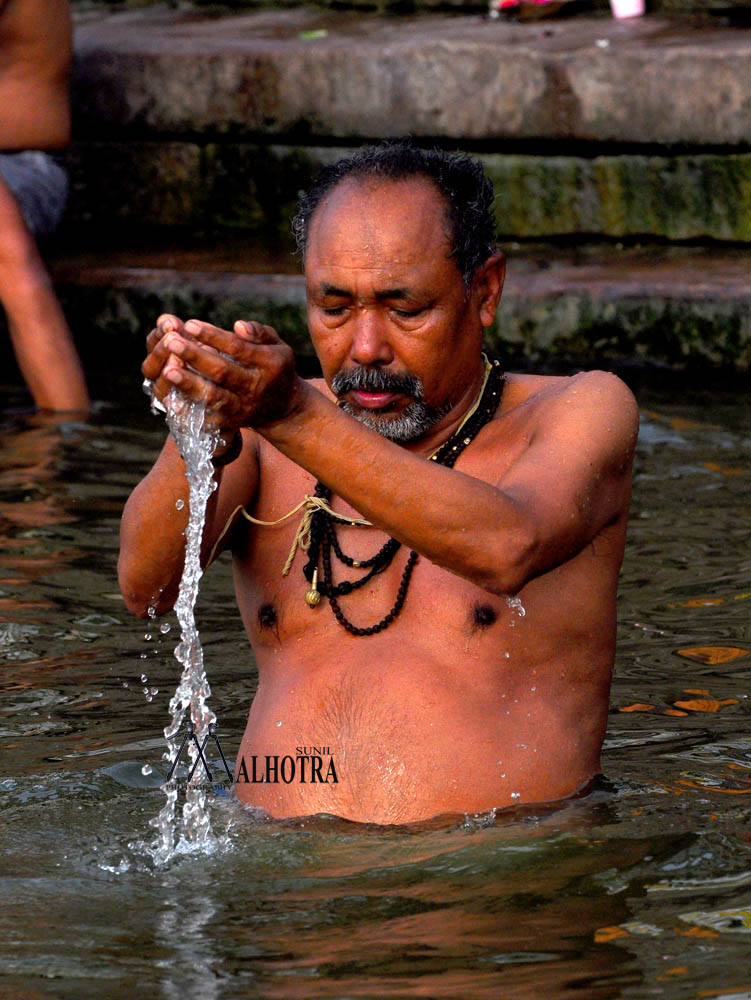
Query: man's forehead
(405, 217)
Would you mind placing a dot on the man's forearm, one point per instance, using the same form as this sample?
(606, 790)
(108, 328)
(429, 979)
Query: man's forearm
(447, 516)
(152, 534)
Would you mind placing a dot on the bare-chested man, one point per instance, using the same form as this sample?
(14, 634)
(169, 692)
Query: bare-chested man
(35, 55)
(435, 692)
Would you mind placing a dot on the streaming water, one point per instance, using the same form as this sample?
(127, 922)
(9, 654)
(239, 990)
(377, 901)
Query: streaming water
(185, 420)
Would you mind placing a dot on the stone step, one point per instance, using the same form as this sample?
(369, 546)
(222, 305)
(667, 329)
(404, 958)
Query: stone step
(320, 75)
(732, 11)
(685, 307)
(254, 187)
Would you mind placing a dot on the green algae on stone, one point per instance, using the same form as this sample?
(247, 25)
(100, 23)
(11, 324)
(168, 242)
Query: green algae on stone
(683, 197)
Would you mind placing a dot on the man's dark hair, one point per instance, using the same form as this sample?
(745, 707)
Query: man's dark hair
(461, 180)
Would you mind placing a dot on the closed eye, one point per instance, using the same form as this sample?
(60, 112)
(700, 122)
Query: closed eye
(406, 313)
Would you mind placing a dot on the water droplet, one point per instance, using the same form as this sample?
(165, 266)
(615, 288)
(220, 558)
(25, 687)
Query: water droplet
(149, 698)
(516, 605)
(146, 769)
(516, 795)
(507, 655)
(151, 611)
(279, 723)
(533, 688)
(147, 637)
(154, 691)
(164, 628)
(125, 684)
(145, 690)
(179, 504)
(144, 678)
(144, 656)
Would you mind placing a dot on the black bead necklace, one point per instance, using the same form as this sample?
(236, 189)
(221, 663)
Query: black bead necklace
(323, 537)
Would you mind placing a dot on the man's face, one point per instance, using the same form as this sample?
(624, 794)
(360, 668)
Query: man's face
(397, 336)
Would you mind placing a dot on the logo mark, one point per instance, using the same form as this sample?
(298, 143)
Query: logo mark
(190, 734)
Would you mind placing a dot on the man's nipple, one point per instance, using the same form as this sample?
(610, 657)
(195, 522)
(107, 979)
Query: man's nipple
(267, 616)
(484, 615)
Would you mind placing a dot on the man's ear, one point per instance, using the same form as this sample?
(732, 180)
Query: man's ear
(488, 285)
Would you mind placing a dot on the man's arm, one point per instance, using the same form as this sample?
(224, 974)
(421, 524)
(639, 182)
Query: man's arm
(152, 532)
(571, 480)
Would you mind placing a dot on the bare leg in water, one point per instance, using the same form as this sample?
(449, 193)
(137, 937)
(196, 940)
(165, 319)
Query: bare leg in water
(41, 338)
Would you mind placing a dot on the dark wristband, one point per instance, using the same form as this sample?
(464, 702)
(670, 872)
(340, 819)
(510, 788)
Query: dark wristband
(233, 452)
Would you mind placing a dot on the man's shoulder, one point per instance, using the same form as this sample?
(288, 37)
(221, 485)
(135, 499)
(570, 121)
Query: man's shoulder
(584, 391)
(320, 384)
(593, 412)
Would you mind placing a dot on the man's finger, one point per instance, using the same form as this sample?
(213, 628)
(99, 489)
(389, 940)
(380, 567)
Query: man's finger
(221, 368)
(166, 323)
(241, 348)
(159, 356)
(256, 333)
(193, 386)
(169, 320)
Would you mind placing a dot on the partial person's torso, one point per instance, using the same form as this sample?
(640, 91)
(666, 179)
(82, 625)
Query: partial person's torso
(35, 56)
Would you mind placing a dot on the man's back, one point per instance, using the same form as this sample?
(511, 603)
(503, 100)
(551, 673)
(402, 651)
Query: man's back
(35, 55)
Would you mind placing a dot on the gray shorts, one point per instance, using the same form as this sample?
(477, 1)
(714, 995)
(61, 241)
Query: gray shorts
(39, 184)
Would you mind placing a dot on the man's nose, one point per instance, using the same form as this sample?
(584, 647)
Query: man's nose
(370, 341)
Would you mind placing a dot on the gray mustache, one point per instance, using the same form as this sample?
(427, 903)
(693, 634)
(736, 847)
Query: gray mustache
(376, 380)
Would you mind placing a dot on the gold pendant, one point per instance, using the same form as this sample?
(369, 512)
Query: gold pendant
(313, 598)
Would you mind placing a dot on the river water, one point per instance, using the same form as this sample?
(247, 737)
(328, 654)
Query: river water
(640, 888)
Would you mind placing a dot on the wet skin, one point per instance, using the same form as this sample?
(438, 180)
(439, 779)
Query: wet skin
(461, 704)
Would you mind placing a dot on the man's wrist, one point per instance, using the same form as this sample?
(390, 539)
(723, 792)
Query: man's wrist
(297, 402)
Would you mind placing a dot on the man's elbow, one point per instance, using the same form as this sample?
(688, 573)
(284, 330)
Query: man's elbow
(139, 598)
(506, 583)
(510, 566)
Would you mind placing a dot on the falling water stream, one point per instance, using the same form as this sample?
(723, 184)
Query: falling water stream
(185, 420)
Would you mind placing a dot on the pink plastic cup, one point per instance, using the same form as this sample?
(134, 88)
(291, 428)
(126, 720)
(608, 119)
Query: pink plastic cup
(627, 8)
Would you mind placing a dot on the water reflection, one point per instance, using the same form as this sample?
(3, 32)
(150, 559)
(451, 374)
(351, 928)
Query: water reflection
(185, 934)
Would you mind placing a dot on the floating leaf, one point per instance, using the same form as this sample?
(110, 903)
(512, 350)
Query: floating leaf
(709, 786)
(605, 934)
(713, 654)
(696, 932)
(705, 704)
(724, 469)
